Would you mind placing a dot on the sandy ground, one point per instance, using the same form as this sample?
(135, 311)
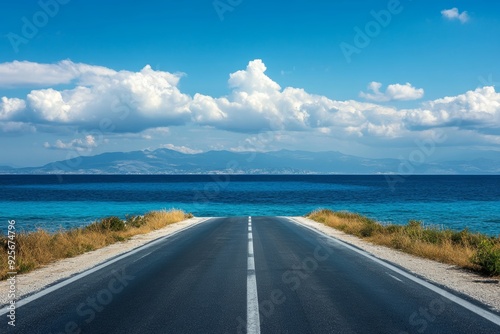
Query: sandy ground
(36, 280)
(483, 289)
(477, 287)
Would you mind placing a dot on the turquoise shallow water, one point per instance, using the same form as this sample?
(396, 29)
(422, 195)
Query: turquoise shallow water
(451, 201)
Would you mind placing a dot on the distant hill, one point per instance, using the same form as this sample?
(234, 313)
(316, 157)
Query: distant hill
(165, 161)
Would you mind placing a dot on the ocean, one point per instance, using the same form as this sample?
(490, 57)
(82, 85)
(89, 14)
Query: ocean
(59, 202)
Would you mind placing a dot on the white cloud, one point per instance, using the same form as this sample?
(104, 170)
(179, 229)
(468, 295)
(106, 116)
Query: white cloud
(395, 92)
(25, 73)
(10, 107)
(256, 104)
(10, 113)
(251, 106)
(155, 133)
(16, 127)
(260, 143)
(478, 109)
(136, 101)
(253, 79)
(145, 104)
(454, 14)
(182, 149)
(132, 101)
(88, 143)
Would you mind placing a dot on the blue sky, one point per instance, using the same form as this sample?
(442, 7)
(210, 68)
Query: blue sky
(368, 78)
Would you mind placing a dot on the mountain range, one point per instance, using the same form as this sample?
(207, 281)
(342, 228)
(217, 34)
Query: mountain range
(166, 161)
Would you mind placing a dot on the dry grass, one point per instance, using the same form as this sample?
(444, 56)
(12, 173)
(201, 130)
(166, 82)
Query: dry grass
(468, 250)
(35, 249)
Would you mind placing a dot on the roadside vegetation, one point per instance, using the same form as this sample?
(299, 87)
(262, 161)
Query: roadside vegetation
(38, 248)
(474, 251)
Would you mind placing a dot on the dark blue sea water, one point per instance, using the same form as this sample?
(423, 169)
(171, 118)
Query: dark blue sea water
(54, 202)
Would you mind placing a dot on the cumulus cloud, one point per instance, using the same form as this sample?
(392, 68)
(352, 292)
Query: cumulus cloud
(251, 106)
(454, 14)
(11, 114)
(478, 109)
(25, 73)
(133, 100)
(146, 102)
(137, 101)
(154, 133)
(395, 92)
(259, 143)
(182, 149)
(257, 104)
(10, 107)
(88, 143)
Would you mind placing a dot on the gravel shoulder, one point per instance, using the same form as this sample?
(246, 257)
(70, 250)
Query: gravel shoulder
(38, 279)
(480, 288)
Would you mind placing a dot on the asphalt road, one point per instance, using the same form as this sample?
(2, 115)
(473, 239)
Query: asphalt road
(264, 274)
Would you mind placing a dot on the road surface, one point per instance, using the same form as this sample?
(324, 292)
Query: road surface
(255, 275)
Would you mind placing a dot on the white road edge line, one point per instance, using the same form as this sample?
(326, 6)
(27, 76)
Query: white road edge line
(59, 285)
(142, 257)
(253, 317)
(397, 279)
(462, 302)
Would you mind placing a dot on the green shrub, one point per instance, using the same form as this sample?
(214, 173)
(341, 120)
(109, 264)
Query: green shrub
(112, 223)
(135, 221)
(370, 229)
(414, 230)
(433, 236)
(393, 229)
(466, 238)
(488, 257)
(25, 267)
(399, 242)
